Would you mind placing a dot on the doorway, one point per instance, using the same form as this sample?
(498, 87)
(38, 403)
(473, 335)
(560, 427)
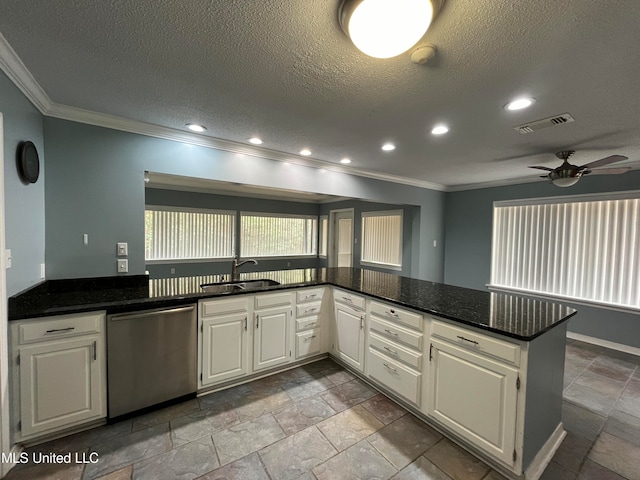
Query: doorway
(341, 234)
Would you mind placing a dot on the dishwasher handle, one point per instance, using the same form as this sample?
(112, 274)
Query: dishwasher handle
(150, 313)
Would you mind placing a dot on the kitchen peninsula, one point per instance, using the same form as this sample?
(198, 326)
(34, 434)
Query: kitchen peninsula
(486, 369)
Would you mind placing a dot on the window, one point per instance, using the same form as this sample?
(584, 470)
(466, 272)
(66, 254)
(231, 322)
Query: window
(581, 247)
(188, 234)
(270, 235)
(382, 239)
(324, 235)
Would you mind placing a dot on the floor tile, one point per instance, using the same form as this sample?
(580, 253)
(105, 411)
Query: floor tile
(303, 387)
(557, 472)
(584, 350)
(617, 455)
(300, 415)
(624, 426)
(256, 404)
(358, 461)
(493, 475)
(590, 399)
(165, 414)
(349, 427)
(384, 409)
(183, 463)
(595, 471)
(293, 456)
(195, 425)
(223, 396)
(48, 471)
(121, 451)
(122, 474)
(572, 452)
(612, 367)
(629, 401)
(80, 441)
(455, 462)
(581, 421)
(245, 438)
(337, 375)
(348, 394)
(421, 469)
(404, 440)
(247, 468)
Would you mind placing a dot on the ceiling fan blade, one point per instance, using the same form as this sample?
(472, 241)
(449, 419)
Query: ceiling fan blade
(542, 168)
(604, 161)
(608, 171)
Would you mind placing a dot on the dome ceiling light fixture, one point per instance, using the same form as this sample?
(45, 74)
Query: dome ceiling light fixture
(386, 28)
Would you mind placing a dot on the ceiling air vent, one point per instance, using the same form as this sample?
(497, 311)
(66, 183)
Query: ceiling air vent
(544, 123)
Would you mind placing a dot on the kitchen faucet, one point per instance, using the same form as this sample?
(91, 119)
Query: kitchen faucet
(235, 276)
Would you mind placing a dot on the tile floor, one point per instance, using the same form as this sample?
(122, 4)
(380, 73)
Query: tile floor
(320, 422)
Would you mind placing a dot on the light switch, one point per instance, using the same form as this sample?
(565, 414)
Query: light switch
(123, 266)
(123, 249)
(7, 258)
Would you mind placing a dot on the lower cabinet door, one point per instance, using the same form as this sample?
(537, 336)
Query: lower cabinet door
(307, 343)
(400, 379)
(60, 384)
(349, 336)
(224, 348)
(271, 338)
(475, 397)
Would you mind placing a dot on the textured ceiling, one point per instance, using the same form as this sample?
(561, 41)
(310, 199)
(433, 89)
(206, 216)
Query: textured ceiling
(283, 70)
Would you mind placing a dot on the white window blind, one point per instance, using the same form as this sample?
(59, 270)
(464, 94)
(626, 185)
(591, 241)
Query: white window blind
(324, 235)
(583, 250)
(269, 235)
(382, 238)
(186, 234)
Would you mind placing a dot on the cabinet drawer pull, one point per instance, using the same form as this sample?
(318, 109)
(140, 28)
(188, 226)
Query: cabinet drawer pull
(95, 350)
(467, 340)
(60, 330)
(309, 310)
(347, 299)
(390, 332)
(391, 369)
(313, 295)
(391, 351)
(257, 321)
(309, 338)
(310, 325)
(361, 323)
(245, 324)
(392, 313)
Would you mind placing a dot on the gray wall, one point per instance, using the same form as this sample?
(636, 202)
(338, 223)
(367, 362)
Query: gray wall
(95, 186)
(410, 235)
(468, 227)
(176, 198)
(24, 203)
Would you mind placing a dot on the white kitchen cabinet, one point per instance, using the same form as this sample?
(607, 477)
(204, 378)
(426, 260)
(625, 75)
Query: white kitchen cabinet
(311, 330)
(474, 396)
(349, 329)
(271, 337)
(59, 373)
(223, 345)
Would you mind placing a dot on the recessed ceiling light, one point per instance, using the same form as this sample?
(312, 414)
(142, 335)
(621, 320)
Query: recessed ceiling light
(345, 161)
(519, 103)
(194, 127)
(387, 147)
(305, 152)
(439, 130)
(255, 140)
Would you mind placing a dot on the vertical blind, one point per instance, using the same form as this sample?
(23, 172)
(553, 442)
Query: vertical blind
(188, 234)
(324, 235)
(277, 236)
(382, 238)
(586, 250)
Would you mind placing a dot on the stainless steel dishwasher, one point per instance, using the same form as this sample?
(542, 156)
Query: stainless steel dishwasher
(151, 358)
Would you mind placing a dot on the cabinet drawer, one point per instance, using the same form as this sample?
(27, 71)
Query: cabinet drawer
(60, 327)
(217, 307)
(308, 309)
(273, 300)
(309, 295)
(506, 351)
(397, 333)
(395, 351)
(348, 298)
(307, 323)
(398, 378)
(307, 343)
(410, 319)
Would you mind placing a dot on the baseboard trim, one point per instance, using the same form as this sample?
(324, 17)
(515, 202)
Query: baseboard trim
(14, 457)
(541, 460)
(620, 347)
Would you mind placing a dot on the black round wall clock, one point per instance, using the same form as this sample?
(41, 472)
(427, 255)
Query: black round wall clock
(28, 162)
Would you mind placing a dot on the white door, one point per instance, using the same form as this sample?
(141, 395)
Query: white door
(341, 254)
(349, 336)
(59, 384)
(475, 397)
(271, 338)
(224, 348)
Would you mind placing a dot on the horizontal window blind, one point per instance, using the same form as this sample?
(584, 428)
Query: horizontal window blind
(188, 234)
(587, 250)
(278, 236)
(382, 238)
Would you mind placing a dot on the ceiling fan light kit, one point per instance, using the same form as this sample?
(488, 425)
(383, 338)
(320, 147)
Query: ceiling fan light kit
(386, 28)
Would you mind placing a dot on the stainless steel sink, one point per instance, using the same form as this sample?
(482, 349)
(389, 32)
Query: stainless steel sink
(243, 285)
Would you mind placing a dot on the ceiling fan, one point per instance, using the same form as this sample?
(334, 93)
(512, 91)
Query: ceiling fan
(567, 174)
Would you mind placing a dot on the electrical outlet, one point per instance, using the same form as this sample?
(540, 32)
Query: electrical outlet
(42, 271)
(123, 266)
(85, 239)
(123, 249)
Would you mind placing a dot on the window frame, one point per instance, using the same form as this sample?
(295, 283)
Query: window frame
(383, 213)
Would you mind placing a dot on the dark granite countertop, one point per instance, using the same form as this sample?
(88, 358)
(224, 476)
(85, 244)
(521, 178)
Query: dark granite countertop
(514, 316)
